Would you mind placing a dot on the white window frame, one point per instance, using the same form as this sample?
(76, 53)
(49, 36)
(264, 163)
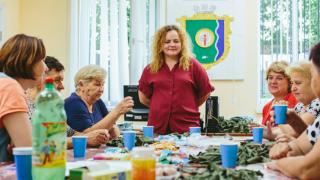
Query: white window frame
(261, 102)
(79, 51)
(295, 46)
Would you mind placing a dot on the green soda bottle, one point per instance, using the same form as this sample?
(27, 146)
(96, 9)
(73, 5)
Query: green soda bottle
(49, 140)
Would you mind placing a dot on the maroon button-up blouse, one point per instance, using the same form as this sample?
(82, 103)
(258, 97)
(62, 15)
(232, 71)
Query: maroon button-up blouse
(174, 96)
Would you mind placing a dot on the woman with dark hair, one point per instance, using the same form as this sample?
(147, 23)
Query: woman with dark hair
(21, 67)
(300, 158)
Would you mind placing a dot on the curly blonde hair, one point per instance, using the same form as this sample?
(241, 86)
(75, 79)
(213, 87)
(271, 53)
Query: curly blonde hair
(159, 38)
(88, 73)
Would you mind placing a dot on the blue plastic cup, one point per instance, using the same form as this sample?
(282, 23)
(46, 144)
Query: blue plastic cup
(22, 158)
(148, 131)
(280, 114)
(229, 152)
(79, 146)
(195, 130)
(257, 134)
(129, 138)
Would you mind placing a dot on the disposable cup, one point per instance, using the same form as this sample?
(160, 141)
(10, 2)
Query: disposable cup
(148, 131)
(257, 134)
(195, 130)
(280, 112)
(129, 138)
(79, 146)
(22, 159)
(229, 154)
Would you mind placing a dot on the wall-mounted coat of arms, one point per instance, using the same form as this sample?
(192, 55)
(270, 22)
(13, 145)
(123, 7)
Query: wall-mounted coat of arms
(209, 34)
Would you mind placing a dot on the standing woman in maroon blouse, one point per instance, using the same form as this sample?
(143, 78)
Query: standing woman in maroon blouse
(174, 84)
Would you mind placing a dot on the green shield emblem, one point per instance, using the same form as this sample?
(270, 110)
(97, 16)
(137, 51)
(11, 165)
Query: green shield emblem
(210, 37)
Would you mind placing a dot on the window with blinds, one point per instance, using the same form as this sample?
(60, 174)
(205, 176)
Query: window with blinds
(288, 29)
(115, 35)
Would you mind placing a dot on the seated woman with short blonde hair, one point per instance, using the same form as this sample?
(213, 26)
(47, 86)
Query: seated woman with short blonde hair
(85, 110)
(308, 108)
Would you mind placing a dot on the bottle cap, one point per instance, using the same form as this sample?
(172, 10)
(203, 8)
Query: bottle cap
(142, 151)
(49, 80)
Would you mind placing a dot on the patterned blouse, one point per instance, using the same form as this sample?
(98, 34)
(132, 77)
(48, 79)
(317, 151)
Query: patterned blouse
(313, 108)
(313, 131)
(31, 107)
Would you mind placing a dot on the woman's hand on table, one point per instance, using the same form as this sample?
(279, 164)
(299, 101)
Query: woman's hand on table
(97, 137)
(280, 151)
(114, 132)
(267, 131)
(273, 165)
(284, 138)
(124, 106)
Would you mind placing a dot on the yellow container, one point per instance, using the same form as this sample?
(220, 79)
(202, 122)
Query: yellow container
(143, 164)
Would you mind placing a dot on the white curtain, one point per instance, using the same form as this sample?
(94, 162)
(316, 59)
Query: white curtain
(87, 16)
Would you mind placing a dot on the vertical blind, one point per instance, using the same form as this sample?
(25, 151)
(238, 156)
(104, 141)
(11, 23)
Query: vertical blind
(288, 29)
(115, 35)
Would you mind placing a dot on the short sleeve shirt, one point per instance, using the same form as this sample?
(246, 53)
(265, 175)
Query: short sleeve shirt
(313, 107)
(31, 107)
(78, 116)
(12, 98)
(174, 96)
(313, 131)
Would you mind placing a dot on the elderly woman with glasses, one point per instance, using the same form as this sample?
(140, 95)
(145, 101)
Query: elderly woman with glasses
(85, 110)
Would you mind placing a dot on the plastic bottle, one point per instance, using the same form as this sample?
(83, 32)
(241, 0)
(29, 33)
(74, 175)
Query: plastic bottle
(143, 164)
(49, 139)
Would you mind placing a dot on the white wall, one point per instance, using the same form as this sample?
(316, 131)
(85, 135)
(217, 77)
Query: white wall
(12, 18)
